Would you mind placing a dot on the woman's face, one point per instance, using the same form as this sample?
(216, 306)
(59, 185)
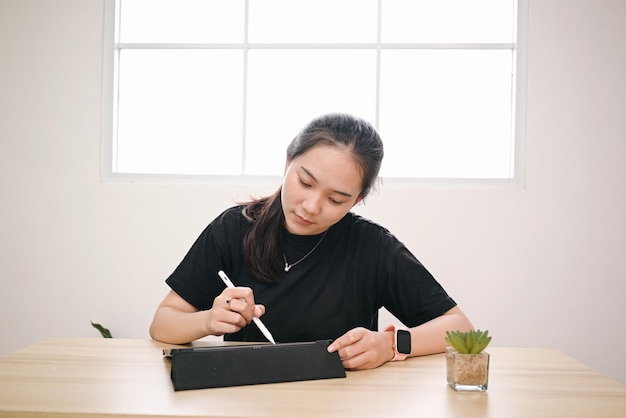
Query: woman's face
(319, 188)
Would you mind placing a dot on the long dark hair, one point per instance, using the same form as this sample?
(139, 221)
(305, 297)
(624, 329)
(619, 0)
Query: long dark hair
(263, 244)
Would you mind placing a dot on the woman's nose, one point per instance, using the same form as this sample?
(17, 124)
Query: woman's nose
(312, 204)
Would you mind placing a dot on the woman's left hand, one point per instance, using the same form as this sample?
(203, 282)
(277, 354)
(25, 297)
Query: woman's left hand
(361, 348)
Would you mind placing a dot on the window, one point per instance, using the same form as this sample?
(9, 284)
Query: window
(220, 87)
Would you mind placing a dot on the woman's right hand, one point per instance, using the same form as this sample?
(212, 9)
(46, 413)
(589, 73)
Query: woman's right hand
(176, 321)
(233, 310)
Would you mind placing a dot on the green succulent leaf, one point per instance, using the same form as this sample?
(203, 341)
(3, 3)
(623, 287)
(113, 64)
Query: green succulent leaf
(103, 331)
(468, 342)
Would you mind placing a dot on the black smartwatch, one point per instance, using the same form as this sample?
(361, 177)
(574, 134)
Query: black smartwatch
(401, 342)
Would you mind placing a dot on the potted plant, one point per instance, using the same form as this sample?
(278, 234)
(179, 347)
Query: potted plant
(467, 364)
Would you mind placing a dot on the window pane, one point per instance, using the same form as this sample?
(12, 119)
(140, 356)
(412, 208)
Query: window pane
(319, 21)
(447, 113)
(452, 21)
(180, 111)
(182, 21)
(288, 88)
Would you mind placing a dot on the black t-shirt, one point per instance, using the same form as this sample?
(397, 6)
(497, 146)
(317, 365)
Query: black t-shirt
(357, 268)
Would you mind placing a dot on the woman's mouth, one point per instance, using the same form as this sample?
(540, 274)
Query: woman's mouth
(302, 220)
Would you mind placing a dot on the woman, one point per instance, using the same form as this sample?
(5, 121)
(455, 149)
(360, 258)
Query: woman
(317, 270)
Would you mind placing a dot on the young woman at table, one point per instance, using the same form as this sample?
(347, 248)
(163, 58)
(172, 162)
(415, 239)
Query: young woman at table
(308, 265)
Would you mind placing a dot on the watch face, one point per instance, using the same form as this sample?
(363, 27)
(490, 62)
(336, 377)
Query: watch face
(403, 341)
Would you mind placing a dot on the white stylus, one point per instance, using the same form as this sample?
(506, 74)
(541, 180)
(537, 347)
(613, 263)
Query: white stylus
(257, 321)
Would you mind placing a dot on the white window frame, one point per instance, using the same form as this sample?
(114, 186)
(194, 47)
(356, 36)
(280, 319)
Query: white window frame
(519, 117)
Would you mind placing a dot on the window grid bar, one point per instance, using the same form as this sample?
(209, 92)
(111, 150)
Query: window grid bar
(374, 46)
(116, 90)
(244, 99)
(379, 19)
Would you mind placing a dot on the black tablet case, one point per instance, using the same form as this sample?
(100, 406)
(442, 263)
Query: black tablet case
(236, 365)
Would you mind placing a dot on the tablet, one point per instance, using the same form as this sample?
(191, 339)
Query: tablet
(236, 365)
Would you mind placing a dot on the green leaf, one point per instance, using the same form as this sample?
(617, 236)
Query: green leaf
(105, 332)
(469, 342)
(457, 340)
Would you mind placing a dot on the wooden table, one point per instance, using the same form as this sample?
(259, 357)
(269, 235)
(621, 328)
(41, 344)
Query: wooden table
(121, 377)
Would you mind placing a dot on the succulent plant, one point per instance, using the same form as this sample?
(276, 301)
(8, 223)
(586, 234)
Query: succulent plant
(468, 342)
(103, 331)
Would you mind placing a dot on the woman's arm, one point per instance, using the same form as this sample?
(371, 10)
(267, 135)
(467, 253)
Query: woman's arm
(176, 321)
(361, 348)
(430, 337)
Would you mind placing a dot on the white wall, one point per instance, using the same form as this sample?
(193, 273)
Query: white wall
(537, 266)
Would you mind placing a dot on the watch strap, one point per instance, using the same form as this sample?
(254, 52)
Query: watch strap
(397, 356)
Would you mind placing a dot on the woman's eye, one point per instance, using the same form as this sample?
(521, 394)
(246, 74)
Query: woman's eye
(335, 202)
(302, 182)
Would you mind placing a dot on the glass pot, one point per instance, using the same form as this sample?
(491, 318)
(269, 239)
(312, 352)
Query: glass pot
(467, 372)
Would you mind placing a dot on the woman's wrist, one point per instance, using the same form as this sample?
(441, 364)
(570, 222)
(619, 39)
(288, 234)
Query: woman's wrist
(388, 339)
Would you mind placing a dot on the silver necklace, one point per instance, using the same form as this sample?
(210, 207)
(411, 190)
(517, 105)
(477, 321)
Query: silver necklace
(289, 266)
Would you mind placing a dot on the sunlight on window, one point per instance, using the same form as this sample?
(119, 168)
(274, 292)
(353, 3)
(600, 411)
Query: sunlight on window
(309, 87)
(448, 111)
(181, 21)
(448, 21)
(319, 21)
(180, 112)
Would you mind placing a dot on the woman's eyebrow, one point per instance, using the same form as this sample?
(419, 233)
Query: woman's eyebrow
(308, 173)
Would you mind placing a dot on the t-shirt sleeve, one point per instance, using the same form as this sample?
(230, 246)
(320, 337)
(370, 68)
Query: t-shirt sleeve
(410, 292)
(195, 279)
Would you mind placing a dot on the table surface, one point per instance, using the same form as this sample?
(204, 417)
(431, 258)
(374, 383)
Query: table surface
(94, 377)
